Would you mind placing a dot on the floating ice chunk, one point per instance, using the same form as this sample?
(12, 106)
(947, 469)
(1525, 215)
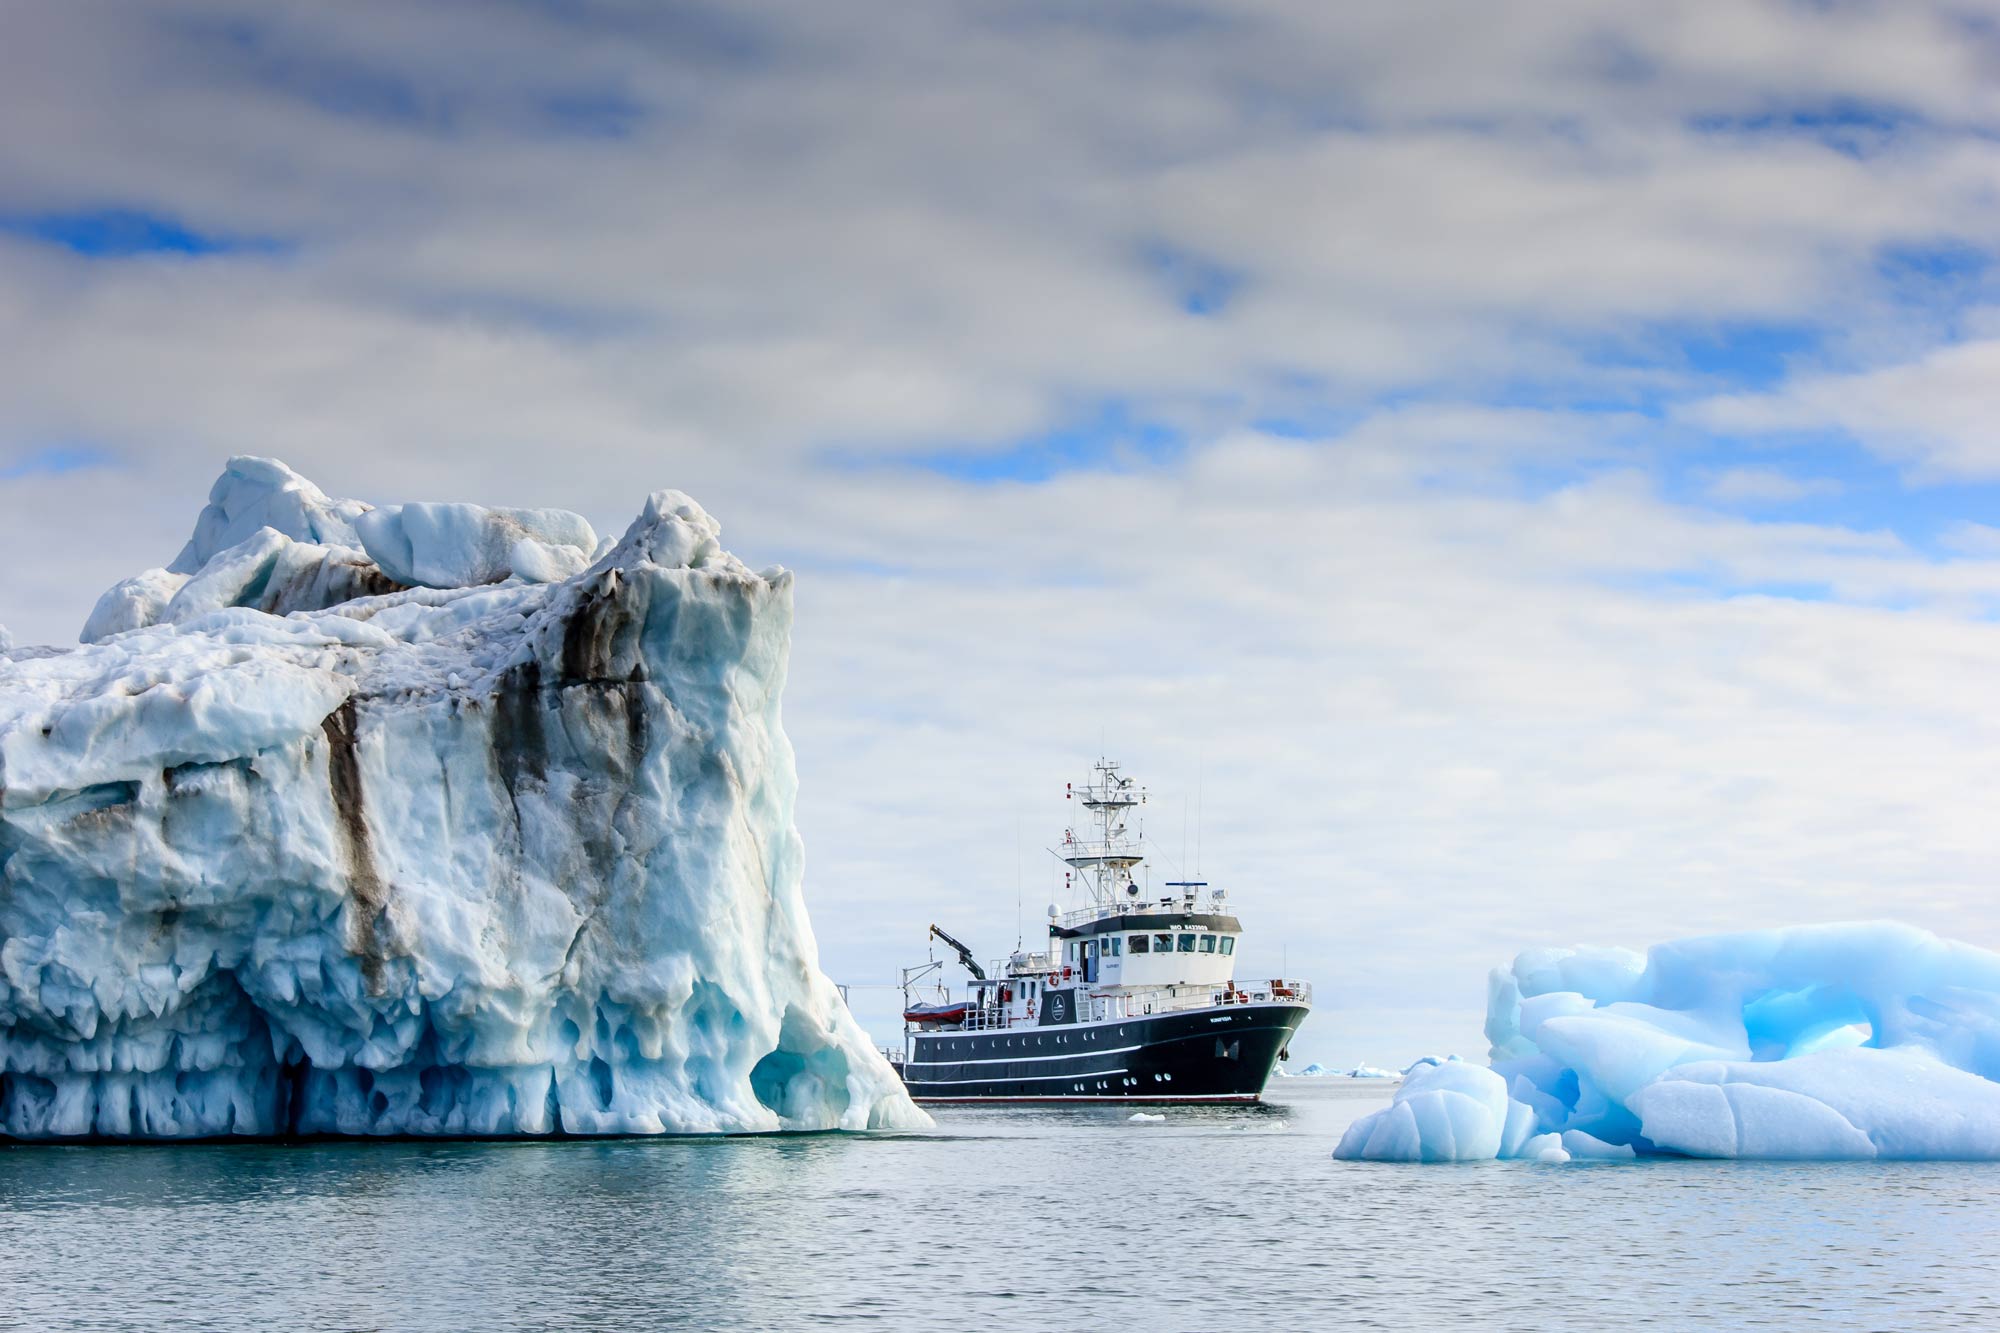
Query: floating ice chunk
(464, 545)
(1857, 1102)
(1142, 1118)
(1853, 1041)
(1444, 1113)
(1544, 1148)
(1701, 1119)
(501, 860)
(1370, 1071)
(1579, 1144)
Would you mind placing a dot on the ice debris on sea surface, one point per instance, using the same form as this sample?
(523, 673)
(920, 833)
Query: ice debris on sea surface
(1317, 1070)
(430, 819)
(1855, 1041)
(1144, 1118)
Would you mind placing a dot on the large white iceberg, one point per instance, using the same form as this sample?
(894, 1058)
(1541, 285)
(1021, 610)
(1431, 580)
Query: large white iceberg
(1858, 1041)
(298, 849)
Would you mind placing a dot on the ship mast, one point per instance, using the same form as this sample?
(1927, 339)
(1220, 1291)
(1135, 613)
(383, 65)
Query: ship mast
(1105, 853)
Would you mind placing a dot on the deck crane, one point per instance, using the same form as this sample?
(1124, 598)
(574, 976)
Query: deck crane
(964, 954)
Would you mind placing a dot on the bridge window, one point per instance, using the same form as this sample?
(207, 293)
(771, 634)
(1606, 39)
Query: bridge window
(1163, 944)
(1229, 944)
(1114, 945)
(1137, 944)
(1208, 944)
(1187, 943)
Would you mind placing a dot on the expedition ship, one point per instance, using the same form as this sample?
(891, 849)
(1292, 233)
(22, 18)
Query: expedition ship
(1134, 1000)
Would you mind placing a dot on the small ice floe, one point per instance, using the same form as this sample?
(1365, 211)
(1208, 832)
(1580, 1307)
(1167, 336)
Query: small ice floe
(1841, 1042)
(1144, 1118)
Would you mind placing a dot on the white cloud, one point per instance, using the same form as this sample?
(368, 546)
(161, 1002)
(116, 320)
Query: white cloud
(1936, 414)
(1764, 485)
(1976, 539)
(1458, 679)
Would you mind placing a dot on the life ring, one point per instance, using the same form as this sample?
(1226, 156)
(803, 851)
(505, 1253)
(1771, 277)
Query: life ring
(1031, 1008)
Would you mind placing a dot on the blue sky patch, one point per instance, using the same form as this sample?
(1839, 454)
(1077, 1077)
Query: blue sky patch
(121, 233)
(1740, 354)
(1854, 128)
(1844, 486)
(1197, 284)
(1747, 355)
(54, 461)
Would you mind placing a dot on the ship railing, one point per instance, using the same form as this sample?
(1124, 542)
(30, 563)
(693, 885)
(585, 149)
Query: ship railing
(1097, 849)
(1148, 1002)
(1083, 916)
(985, 1020)
(1276, 991)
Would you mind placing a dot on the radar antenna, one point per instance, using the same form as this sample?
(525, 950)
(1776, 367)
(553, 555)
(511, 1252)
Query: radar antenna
(1106, 853)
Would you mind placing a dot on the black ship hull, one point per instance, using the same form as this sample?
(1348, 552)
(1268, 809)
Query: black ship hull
(1218, 1054)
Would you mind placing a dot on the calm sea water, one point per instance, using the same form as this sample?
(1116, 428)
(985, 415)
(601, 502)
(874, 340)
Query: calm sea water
(1014, 1219)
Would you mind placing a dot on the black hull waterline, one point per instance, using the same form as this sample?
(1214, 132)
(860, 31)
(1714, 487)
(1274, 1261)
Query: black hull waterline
(1220, 1054)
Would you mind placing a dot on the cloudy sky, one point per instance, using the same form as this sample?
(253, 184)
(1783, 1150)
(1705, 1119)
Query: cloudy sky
(1527, 473)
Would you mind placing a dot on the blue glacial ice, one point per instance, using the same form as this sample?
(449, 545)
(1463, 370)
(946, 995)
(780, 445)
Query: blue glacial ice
(1837, 1042)
(423, 820)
